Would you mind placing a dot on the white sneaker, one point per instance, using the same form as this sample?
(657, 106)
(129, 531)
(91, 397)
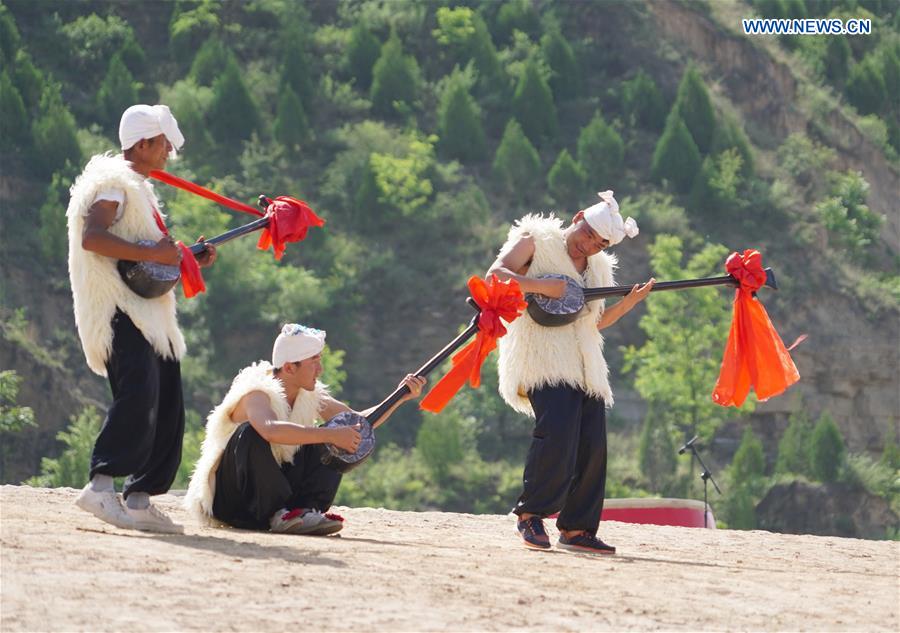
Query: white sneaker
(287, 521)
(152, 519)
(304, 521)
(105, 505)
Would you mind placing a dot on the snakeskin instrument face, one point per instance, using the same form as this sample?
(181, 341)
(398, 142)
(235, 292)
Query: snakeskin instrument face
(570, 303)
(366, 442)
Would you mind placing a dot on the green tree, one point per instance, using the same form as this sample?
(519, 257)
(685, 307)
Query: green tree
(9, 37)
(517, 15)
(749, 464)
(53, 231)
(192, 23)
(676, 157)
(13, 418)
(890, 454)
(362, 51)
(13, 120)
(395, 78)
(459, 123)
(516, 163)
(565, 80)
(730, 134)
(53, 132)
(28, 80)
(600, 152)
(233, 115)
(845, 214)
(444, 441)
(826, 449)
(117, 91)
(836, 59)
(72, 467)
(656, 452)
(643, 102)
(533, 106)
(717, 188)
(290, 128)
(296, 69)
(464, 33)
(739, 509)
(865, 88)
(793, 448)
(566, 181)
(695, 108)
(210, 61)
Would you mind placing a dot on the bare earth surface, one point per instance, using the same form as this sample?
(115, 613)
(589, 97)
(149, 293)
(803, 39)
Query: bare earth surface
(64, 570)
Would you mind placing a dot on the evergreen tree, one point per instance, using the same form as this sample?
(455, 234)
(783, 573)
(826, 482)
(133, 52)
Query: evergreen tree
(564, 80)
(362, 51)
(491, 78)
(566, 181)
(190, 25)
(890, 454)
(13, 120)
(695, 109)
(749, 463)
(296, 70)
(9, 37)
(642, 100)
(600, 152)
(826, 449)
(290, 128)
(233, 115)
(891, 74)
(517, 15)
(656, 453)
(730, 135)
(739, 509)
(53, 231)
(516, 163)
(117, 91)
(866, 89)
(28, 80)
(53, 133)
(676, 157)
(395, 77)
(210, 61)
(793, 449)
(837, 59)
(533, 106)
(718, 186)
(71, 468)
(459, 123)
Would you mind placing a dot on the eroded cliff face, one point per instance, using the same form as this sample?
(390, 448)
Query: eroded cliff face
(849, 365)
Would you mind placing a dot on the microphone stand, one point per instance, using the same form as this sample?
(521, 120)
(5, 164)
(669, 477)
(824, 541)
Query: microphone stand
(706, 476)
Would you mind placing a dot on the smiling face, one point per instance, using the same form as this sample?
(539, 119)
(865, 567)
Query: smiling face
(582, 240)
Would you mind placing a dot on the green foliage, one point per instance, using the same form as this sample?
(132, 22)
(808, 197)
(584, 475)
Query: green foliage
(296, 70)
(695, 108)
(656, 452)
(516, 163)
(53, 231)
(517, 15)
(533, 106)
(72, 467)
(92, 40)
(190, 103)
(656, 212)
(233, 115)
(642, 102)
(793, 448)
(565, 79)
(804, 159)
(362, 51)
(600, 152)
(836, 59)
(13, 419)
(395, 78)
(118, 91)
(676, 157)
(191, 24)
(444, 441)
(730, 135)
(400, 183)
(13, 120)
(826, 449)
(459, 123)
(53, 132)
(716, 191)
(9, 36)
(566, 181)
(291, 128)
(890, 455)
(210, 61)
(28, 80)
(849, 220)
(866, 89)
(465, 35)
(749, 464)
(455, 27)
(738, 509)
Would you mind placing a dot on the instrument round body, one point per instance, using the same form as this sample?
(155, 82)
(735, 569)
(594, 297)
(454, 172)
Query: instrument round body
(551, 312)
(341, 460)
(148, 279)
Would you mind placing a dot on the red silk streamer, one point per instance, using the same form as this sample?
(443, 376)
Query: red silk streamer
(203, 192)
(755, 355)
(191, 278)
(289, 221)
(497, 300)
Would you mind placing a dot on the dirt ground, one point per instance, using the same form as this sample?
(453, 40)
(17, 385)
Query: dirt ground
(63, 570)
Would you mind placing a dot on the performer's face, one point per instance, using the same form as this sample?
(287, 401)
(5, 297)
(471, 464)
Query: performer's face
(583, 240)
(307, 372)
(154, 152)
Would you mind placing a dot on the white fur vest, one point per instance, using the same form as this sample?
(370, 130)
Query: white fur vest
(220, 427)
(97, 288)
(534, 356)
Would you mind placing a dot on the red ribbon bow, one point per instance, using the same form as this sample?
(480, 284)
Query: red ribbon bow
(497, 300)
(755, 355)
(289, 221)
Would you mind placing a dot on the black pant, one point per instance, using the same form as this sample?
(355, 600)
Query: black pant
(565, 470)
(251, 486)
(144, 427)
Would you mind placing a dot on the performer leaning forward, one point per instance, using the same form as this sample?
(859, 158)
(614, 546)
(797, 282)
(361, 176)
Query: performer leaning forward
(260, 466)
(133, 341)
(558, 375)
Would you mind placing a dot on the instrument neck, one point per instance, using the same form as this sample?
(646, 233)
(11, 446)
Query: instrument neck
(590, 294)
(227, 236)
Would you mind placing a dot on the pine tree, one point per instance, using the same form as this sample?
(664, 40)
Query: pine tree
(517, 15)
(676, 157)
(565, 80)
(491, 78)
(290, 128)
(729, 134)
(866, 89)
(516, 162)
(395, 77)
(9, 37)
(656, 452)
(28, 80)
(362, 51)
(117, 91)
(566, 181)
(13, 120)
(53, 132)
(210, 61)
(533, 105)
(826, 449)
(837, 59)
(53, 232)
(233, 115)
(793, 449)
(459, 124)
(296, 70)
(600, 152)
(749, 463)
(695, 109)
(643, 101)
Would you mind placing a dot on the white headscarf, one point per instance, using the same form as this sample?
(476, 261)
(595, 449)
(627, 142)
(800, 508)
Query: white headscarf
(144, 121)
(295, 343)
(604, 218)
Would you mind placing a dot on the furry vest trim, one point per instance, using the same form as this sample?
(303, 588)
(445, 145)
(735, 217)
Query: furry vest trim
(97, 289)
(532, 356)
(220, 427)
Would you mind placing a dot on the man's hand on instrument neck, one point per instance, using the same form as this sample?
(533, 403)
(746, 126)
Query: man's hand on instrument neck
(623, 307)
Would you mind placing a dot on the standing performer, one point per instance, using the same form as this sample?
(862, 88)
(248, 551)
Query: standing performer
(133, 341)
(559, 375)
(260, 466)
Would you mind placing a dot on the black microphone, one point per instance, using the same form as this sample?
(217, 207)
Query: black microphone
(689, 443)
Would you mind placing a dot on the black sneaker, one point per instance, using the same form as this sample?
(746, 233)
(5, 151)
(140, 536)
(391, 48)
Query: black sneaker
(533, 534)
(586, 543)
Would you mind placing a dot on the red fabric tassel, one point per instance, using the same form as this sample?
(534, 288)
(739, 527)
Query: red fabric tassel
(755, 356)
(289, 221)
(191, 278)
(497, 300)
(203, 192)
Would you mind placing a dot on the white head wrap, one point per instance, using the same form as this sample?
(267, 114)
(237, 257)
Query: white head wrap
(295, 343)
(144, 121)
(604, 218)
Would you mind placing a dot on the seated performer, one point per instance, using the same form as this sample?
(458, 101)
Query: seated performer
(260, 465)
